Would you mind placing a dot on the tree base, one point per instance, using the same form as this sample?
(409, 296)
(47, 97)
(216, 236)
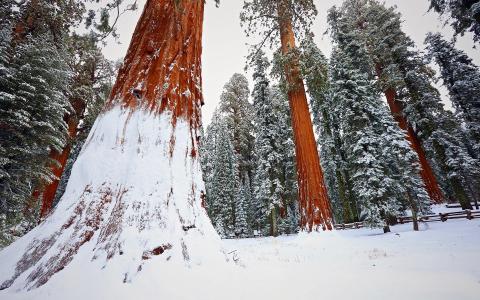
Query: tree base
(134, 196)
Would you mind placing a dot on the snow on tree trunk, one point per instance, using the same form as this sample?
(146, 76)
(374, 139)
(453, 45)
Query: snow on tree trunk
(315, 209)
(426, 172)
(135, 193)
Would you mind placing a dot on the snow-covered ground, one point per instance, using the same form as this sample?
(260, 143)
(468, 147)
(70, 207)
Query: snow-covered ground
(442, 261)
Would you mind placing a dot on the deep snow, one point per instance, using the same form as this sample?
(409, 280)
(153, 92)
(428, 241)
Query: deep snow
(133, 201)
(439, 262)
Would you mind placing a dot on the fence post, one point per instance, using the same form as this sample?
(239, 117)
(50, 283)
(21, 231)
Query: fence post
(469, 214)
(443, 217)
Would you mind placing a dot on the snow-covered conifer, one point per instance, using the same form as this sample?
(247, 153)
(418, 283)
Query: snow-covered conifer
(223, 185)
(377, 154)
(33, 114)
(462, 78)
(402, 71)
(315, 71)
(238, 114)
(268, 188)
(464, 15)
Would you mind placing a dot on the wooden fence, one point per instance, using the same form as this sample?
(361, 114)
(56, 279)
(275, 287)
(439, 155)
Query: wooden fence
(441, 217)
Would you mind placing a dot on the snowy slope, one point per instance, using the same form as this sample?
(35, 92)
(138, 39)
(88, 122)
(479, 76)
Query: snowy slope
(133, 200)
(439, 262)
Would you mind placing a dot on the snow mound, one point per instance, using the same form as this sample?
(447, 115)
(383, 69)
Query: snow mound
(133, 199)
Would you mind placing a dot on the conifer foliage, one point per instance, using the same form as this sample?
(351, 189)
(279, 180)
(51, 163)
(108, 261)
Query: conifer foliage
(49, 76)
(462, 78)
(403, 73)
(228, 162)
(268, 188)
(32, 118)
(464, 15)
(377, 154)
(251, 187)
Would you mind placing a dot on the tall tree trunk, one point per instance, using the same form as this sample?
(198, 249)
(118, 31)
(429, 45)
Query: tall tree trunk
(315, 208)
(136, 189)
(426, 172)
(48, 191)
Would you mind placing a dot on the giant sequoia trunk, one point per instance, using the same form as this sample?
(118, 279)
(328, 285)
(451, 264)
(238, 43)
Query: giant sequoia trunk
(134, 194)
(426, 172)
(315, 209)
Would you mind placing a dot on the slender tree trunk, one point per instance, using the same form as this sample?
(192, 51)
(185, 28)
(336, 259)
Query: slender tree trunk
(273, 222)
(414, 208)
(47, 193)
(315, 209)
(426, 172)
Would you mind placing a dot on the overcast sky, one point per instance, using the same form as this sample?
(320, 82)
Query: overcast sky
(225, 45)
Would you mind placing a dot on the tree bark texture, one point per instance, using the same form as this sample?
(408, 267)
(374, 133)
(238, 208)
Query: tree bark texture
(162, 68)
(426, 172)
(315, 208)
(73, 120)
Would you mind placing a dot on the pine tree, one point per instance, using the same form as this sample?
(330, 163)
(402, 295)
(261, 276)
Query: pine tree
(33, 116)
(238, 114)
(288, 214)
(10, 191)
(241, 209)
(377, 154)
(268, 187)
(223, 194)
(227, 197)
(407, 83)
(463, 14)
(207, 155)
(462, 78)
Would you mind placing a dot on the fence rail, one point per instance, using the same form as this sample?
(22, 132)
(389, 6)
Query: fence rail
(441, 217)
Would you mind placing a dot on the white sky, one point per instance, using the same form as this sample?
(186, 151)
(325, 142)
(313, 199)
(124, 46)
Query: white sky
(225, 44)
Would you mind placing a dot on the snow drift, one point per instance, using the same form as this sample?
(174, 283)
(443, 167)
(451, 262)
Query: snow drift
(135, 195)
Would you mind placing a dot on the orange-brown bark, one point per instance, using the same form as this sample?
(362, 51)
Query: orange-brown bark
(47, 192)
(426, 172)
(315, 208)
(162, 68)
(61, 158)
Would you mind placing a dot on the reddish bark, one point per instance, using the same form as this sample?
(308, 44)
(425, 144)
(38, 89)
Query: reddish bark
(315, 209)
(47, 192)
(61, 158)
(426, 172)
(162, 68)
